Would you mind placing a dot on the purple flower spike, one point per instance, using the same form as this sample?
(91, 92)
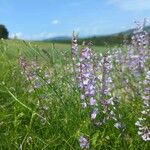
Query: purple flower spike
(142, 123)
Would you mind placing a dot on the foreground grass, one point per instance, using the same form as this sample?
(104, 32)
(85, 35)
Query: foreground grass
(26, 124)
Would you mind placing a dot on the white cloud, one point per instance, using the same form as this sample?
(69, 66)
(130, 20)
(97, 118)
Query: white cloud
(18, 35)
(38, 36)
(42, 36)
(55, 22)
(131, 5)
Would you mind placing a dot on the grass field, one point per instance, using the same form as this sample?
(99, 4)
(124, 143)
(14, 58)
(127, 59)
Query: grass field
(47, 115)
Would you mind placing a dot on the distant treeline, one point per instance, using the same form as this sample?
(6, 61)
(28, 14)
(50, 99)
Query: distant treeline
(109, 40)
(101, 40)
(114, 39)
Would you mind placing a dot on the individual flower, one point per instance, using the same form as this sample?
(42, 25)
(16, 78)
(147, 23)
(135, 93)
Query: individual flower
(84, 143)
(94, 113)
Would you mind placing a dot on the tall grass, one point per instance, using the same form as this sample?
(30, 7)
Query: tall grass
(40, 105)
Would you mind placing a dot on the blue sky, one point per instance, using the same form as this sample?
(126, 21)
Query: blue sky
(41, 19)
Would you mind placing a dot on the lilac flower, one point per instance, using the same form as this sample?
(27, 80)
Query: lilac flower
(86, 54)
(37, 84)
(142, 123)
(84, 143)
(82, 97)
(74, 44)
(87, 77)
(117, 125)
(107, 93)
(140, 37)
(137, 59)
(35, 74)
(106, 81)
(130, 65)
(92, 101)
(94, 113)
(144, 132)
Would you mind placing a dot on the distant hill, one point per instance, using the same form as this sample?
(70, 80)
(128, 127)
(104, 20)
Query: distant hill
(112, 39)
(147, 29)
(59, 38)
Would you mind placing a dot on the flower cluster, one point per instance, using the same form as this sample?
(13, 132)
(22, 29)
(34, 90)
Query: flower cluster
(74, 47)
(84, 143)
(140, 36)
(34, 74)
(103, 81)
(38, 77)
(107, 88)
(87, 78)
(142, 123)
(138, 53)
(75, 59)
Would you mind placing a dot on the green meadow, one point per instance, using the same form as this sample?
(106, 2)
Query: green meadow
(51, 117)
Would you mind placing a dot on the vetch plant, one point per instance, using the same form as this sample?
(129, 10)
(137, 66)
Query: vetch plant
(75, 59)
(107, 99)
(143, 122)
(87, 78)
(138, 53)
(35, 74)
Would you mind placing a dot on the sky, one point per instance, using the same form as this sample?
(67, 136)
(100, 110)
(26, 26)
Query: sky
(42, 19)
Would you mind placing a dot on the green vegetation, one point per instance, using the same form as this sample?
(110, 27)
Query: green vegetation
(51, 117)
(3, 32)
(21, 121)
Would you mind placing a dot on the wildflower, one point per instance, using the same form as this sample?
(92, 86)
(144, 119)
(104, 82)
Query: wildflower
(48, 81)
(117, 125)
(139, 55)
(74, 44)
(87, 77)
(84, 143)
(82, 97)
(142, 123)
(37, 84)
(76, 64)
(92, 101)
(84, 105)
(138, 123)
(94, 113)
